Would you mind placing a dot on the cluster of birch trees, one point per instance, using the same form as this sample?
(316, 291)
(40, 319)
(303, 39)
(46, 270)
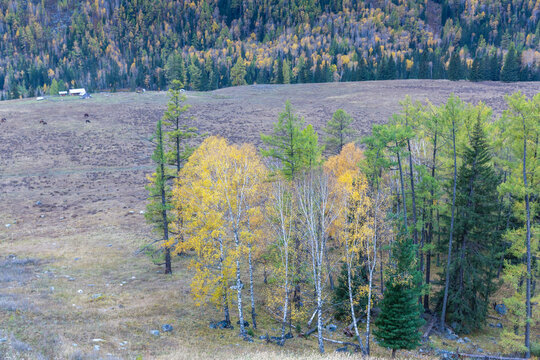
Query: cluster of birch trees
(428, 214)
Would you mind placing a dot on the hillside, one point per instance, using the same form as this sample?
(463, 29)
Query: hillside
(72, 283)
(209, 44)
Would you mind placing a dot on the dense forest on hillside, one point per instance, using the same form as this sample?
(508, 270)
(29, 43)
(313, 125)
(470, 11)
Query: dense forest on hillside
(207, 44)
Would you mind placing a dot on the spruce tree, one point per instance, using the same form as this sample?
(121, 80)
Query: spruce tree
(342, 307)
(511, 68)
(399, 322)
(454, 67)
(477, 245)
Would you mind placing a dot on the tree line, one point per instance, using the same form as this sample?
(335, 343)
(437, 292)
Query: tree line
(111, 45)
(428, 216)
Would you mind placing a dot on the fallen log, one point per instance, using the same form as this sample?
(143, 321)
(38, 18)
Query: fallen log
(488, 357)
(356, 346)
(430, 327)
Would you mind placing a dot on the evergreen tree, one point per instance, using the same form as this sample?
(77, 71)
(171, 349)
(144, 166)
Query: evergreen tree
(477, 245)
(511, 68)
(454, 67)
(53, 90)
(338, 131)
(423, 67)
(285, 144)
(399, 322)
(238, 73)
(342, 307)
(159, 205)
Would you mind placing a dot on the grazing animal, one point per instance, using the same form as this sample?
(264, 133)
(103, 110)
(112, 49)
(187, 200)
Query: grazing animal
(86, 115)
(87, 121)
(42, 122)
(3, 120)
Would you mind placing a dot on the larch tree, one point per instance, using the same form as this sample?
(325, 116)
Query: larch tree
(338, 131)
(159, 205)
(521, 127)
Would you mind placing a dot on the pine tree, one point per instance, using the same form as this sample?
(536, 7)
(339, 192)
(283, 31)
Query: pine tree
(399, 322)
(477, 245)
(338, 131)
(511, 68)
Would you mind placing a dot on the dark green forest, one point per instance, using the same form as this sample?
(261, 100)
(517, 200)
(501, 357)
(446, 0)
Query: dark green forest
(209, 44)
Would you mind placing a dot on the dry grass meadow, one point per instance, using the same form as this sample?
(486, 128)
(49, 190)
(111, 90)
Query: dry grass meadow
(71, 193)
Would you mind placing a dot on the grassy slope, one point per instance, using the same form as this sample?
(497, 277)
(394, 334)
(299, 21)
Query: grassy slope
(89, 179)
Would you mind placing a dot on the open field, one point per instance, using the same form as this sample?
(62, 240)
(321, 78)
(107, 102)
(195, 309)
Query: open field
(71, 193)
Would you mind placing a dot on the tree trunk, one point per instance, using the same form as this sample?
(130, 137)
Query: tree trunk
(286, 295)
(351, 301)
(168, 267)
(528, 240)
(429, 238)
(413, 194)
(225, 300)
(402, 191)
(252, 293)
(447, 281)
(239, 287)
(319, 312)
(393, 353)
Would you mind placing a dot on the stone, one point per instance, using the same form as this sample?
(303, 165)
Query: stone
(97, 296)
(80, 291)
(263, 337)
(480, 350)
(461, 341)
(3, 340)
(38, 203)
(331, 327)
(466, 339)
(167, 328)
(8, 225)
(501, 309)
(96, 347)
(342, 349)
(154, 332)
(224, 325)
(444, 354)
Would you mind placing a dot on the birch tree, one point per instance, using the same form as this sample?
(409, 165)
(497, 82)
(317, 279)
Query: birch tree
(318, 210)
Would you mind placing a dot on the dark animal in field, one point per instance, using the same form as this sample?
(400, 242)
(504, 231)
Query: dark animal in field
(3, 120)
(87, 121)
(42, 122)
(86, 115)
